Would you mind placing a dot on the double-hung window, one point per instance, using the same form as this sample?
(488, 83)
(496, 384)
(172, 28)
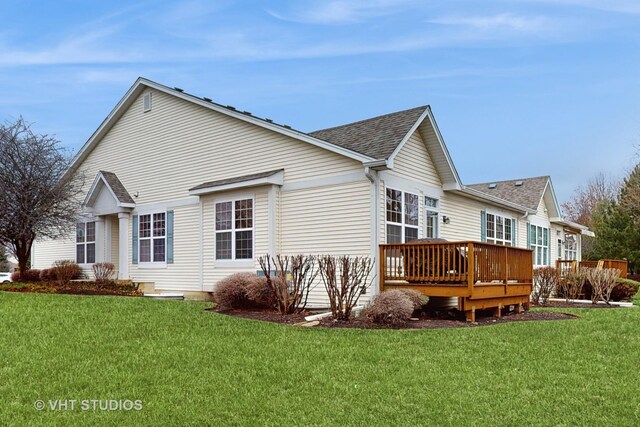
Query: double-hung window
(153, 237)
(500, 230)
(539, 239)
(402, 216)
(570, 247)
(431, 223)
(86, 242)
(234, 229)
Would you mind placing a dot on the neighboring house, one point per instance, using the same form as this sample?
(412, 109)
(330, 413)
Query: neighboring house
(182, 192)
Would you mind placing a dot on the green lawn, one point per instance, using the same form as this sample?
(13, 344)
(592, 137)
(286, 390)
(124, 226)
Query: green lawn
(191, 367)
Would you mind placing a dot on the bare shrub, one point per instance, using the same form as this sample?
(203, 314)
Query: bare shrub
(291, 278)
(103, 272)
(259, 293)
(231, 292)
(416, 298)
(390, 308)
(571, 285)
(545, 281)
(345, 279)
(65, 270)
(46, 275)
(30, 275)
(602, 283)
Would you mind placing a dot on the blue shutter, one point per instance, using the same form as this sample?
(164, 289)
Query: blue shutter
(483, 225)
(514, 231)
(528, 235)
(169, 237)
(134, 255)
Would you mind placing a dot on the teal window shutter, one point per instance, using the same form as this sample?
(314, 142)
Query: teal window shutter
(169, 237)
(514, 231)
(134, 255)
(528, 235)
(483, 225)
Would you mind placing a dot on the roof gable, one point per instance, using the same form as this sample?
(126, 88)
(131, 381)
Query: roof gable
(376, 137)
(108, 183)
(141, 84)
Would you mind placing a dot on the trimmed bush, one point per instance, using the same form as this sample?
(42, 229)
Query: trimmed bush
(243, 291)
(32, 275)
(393, 307)
(46, 275)
(625, 290)
(416, 298)
(66, 270)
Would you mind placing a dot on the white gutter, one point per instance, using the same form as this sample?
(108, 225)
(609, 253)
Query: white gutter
(501, 202)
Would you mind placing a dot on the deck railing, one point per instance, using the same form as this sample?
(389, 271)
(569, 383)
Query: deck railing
(565, 266)
(453, 263)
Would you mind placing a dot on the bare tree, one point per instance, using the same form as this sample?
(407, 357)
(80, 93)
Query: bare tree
(585, 199)
(38, 190)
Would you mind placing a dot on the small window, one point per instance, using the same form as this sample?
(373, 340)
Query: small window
(431, 225)
(152, 235)
(86, 242)
(146, 102)
(234, 230)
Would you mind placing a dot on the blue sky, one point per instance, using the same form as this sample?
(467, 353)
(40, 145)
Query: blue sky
(518, 87)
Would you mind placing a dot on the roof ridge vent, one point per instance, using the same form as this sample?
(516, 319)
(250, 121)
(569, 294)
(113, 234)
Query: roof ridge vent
(519, 183)
(492, 185)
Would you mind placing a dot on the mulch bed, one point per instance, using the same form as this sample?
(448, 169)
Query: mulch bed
(427, 320)
(77, 288)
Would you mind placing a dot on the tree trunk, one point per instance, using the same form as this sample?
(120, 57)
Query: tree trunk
(22, 250)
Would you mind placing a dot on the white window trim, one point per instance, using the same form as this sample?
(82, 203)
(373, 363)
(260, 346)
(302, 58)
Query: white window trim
(152, 264)
(402, 212)
(436, 211)
(86, 242)
(535, 245)
(503, 240)
(233, 262)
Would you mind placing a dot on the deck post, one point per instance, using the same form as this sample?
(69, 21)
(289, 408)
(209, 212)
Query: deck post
(382, 262)
(471, 268)
(506, 269)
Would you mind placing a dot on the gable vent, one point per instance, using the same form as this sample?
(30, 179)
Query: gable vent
(493, 185)
(146, 102)
(519, 183)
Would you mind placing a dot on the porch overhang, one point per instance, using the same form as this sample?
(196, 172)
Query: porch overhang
(107, 196)
(274, 177)
(574, 227)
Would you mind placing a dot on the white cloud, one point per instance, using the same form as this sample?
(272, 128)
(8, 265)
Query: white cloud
(341, 11)
(502, 21)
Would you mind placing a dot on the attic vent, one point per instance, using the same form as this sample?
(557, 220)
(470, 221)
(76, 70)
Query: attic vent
(179, 89)
(146, 102)
(231, 107)
(269, 120)
(518, 183)
(492, 185)
(206, 99)
(287, 126)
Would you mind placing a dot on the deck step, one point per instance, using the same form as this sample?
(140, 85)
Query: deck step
(167, 295)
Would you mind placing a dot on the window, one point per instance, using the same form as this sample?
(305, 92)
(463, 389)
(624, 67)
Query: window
(500, 230)
(539, 238)
(153, 237)
(402, 216)
(234, 229)
(570, 247)
(86, 242)
(432, 217)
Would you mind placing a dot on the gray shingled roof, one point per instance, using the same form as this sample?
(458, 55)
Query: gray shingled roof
(236, 179)
(118, 189)
(376, 137)
(527, 195)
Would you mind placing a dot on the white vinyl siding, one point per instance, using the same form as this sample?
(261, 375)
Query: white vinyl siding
(414, 162)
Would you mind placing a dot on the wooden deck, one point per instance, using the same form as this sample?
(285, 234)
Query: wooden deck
(480, 275)
(565, 266)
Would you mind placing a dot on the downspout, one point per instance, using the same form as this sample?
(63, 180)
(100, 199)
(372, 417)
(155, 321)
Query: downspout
(372, 176)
